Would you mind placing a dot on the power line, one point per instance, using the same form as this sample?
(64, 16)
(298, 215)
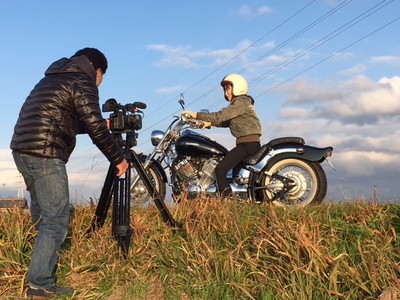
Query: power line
(330, 56)
(287, 41)
(225, 41)
(299, 33)
(232, 59)
(315, 45)
(250, 46)
(328, 37)
(293, 37)
(225, 64)
(325, 39)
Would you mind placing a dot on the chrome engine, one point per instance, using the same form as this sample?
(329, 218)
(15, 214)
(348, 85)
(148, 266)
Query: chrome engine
(197, 176)
(195, 172)
(207, 173)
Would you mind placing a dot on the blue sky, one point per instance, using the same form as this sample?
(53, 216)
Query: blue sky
(326, 70)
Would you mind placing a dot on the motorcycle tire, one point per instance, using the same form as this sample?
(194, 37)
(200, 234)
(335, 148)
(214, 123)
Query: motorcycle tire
(309, 178)
(139, 194)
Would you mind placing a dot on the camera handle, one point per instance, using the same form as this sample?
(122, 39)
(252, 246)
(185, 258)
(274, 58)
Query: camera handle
(119, 189)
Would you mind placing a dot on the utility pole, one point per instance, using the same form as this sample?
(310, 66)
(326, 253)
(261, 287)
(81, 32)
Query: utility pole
(20, 194)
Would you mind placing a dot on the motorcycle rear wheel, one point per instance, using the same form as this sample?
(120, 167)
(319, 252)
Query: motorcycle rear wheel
(310, 183)
(139, 194)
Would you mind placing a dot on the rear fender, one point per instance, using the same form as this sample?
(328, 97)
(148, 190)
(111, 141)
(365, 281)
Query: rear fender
(314, 154)
(304, 152)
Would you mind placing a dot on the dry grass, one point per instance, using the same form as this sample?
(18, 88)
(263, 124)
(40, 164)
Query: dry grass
(224, 251)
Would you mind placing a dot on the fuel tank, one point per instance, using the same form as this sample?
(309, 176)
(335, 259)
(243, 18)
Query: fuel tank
(194, 144)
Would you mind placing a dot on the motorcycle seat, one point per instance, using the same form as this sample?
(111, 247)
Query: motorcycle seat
(255, 158)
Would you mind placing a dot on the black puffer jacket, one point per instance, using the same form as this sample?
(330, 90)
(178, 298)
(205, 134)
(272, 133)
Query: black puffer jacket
(64, 103)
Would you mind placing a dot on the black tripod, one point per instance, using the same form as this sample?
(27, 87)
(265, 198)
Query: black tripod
(118, 188)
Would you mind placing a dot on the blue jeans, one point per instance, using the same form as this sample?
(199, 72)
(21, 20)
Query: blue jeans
(47, 182)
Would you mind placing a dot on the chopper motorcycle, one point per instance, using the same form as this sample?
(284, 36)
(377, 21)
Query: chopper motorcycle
(285, 171)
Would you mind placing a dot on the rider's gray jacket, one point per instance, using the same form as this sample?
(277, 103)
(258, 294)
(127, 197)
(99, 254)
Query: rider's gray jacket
(240, 116)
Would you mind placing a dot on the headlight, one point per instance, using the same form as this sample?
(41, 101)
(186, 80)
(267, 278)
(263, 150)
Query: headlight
(156, 136)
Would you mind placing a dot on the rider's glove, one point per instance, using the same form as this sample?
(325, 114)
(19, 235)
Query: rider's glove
(190, 113)
(205, 125)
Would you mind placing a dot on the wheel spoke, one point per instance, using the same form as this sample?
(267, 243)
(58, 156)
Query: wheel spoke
(140, 195)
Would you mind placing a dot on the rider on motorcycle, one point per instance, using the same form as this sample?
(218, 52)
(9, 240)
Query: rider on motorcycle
(242, 120)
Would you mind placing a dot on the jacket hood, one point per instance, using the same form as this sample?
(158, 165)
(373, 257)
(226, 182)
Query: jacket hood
(245, 96)
(73, 65)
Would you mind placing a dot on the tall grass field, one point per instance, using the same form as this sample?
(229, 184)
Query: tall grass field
(225, 250)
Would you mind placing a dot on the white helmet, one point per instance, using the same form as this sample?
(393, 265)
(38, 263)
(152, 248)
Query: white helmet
(239, 84)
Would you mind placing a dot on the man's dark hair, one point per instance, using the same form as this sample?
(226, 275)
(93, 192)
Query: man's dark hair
(97, 58)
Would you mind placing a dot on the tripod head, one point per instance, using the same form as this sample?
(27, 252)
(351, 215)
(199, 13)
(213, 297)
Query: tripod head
(125, 118)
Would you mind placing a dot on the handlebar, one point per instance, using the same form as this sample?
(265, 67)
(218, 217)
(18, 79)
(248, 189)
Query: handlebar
(194, 123)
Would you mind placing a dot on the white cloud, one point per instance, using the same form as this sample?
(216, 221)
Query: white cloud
(357, 69)
(381, 100)
(357, 101)
(171, 89)
(8, 170)
(264, 10)
(234, 55)
(184, 57)
(367, 163)
(238, 55)
(86, 184)
(361, 122)
(296, 112)
(304, 91)
(247, 11)
(386, 59)
(341, 56)
(10, 178)
(173, 56)
(359, 83)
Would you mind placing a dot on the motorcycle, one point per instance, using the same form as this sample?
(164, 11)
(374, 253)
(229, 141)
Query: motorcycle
(285, 171)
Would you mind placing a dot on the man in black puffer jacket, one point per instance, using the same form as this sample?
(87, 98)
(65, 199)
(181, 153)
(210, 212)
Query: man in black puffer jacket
(64, 103)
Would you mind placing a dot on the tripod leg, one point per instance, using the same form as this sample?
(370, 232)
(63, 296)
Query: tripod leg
(152, 191)
(121, 228)
(104, 202)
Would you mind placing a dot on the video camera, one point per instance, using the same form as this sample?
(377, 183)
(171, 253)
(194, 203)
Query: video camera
(125, 118)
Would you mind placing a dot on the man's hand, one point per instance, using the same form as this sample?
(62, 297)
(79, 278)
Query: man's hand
(122, 167)
(205, 125)
(190, 113)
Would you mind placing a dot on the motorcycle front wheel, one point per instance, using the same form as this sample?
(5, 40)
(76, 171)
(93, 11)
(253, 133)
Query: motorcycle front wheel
(139, 194)
(309, 183)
